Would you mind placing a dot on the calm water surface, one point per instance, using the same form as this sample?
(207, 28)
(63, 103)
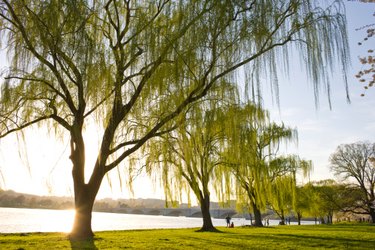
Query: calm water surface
(17, 220)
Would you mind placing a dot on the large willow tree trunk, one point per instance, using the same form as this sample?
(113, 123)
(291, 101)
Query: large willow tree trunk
(257, 215)
(84, 194)
(84, 202)
(205, 209)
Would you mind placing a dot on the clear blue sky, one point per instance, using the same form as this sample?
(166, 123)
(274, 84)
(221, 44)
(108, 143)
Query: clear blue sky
(320, 130)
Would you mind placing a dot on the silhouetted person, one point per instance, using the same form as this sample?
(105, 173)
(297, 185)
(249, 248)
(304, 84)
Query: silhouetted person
(228, 220)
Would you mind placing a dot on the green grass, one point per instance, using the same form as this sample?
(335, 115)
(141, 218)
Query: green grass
(339, 236)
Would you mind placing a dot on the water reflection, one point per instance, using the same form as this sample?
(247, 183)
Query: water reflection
(35, 220)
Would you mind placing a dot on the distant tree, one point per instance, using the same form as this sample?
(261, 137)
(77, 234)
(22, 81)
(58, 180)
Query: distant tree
(350, 200)
(281, 200)
(33, 203)
(254, 144)
(46, 203)
(190, 155)
(283, 188)
(315, 203)
(20, 200)
(353, 162)
(66, 205)
(101, 206)
(6, 200)
(302, 202)
(328, 199)
(134, 66)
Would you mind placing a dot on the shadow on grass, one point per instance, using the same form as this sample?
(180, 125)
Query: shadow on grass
(275, 238)
(309, 241)
(82, 244)
(332, 227)
(211, 230)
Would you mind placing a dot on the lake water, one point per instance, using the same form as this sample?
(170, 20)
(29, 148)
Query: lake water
(17, 220)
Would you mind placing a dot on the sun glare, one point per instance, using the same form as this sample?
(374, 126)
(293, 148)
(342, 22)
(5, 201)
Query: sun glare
(62, 222)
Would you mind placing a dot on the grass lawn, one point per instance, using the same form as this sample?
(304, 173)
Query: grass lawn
(339, 236)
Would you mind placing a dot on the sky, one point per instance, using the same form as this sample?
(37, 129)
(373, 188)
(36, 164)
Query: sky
(322, 129)
(44, 168)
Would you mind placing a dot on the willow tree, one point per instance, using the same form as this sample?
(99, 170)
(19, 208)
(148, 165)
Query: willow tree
(283, 178)
(189, 157)
(134, 66)
(302, 204)
(254, 144)
(328, 197)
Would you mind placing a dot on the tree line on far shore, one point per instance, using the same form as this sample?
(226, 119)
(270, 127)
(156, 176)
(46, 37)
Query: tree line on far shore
(12, 199)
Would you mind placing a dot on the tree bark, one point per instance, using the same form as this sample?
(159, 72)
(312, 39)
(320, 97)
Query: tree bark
(82, 221)
(372, 214)
(330, 218)
(257, 215)
(322, 221)
(84, 201)
(84, 194)
(282, 220)
(299, 217)
(205, 209)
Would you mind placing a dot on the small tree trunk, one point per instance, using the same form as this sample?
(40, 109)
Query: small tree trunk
(299, 217)
(322, 221)
(329, 218)
(257, 215)
(205, 209)
(372, 214)
(282, 220)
